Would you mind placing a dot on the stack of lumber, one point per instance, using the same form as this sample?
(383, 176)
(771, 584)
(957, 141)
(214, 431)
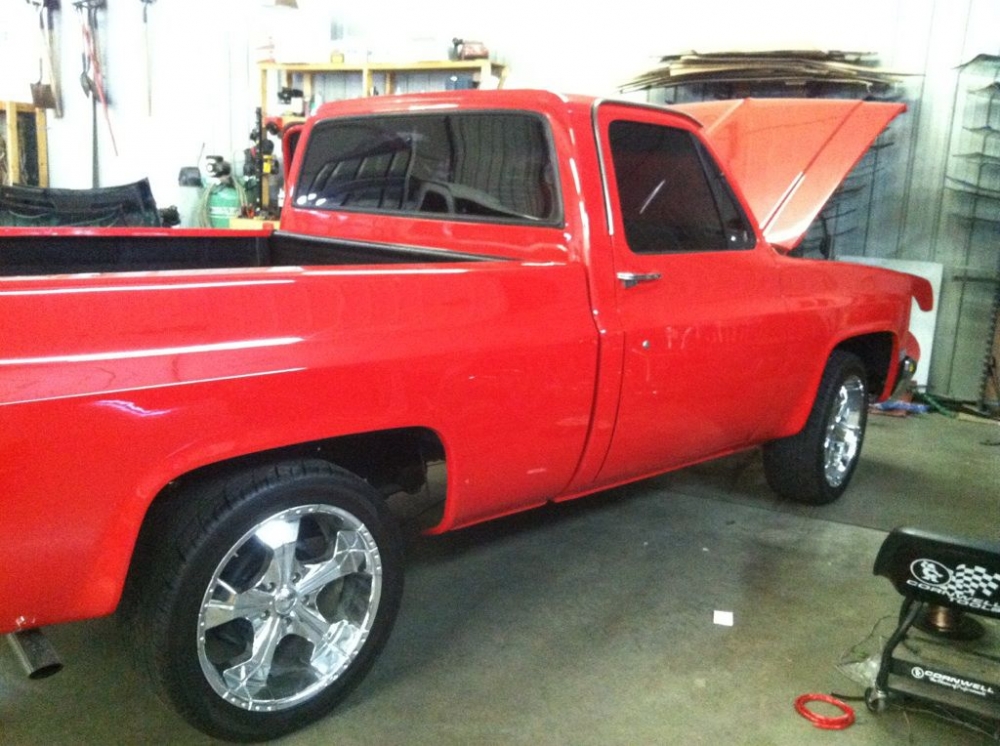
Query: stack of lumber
(821, 72)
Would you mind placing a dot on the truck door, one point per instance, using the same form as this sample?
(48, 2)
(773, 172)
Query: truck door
(699, 305)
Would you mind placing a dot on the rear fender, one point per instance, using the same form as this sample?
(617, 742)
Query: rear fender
(879, 351)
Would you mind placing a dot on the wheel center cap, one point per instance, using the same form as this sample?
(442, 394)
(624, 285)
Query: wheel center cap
(284, 601)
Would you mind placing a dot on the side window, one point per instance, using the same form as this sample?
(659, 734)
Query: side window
(488, 166)
(672, 195)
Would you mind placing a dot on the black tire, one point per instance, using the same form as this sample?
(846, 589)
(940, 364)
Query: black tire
(816, 465)
(300, 561)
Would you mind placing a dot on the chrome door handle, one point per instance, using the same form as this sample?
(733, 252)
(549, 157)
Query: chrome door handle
(631, 279)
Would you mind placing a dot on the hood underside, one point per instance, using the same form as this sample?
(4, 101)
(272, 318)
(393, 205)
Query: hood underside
(788, 156)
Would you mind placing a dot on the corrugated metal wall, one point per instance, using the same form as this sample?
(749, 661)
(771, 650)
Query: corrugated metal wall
(941, 220)
(932, 220)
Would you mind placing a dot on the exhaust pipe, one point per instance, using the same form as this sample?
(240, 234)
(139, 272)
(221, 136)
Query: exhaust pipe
(907, 369)
(35, 653)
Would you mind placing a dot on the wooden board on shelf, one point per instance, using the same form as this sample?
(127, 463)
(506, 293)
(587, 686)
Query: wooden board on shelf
(13, 112)
(252, 224)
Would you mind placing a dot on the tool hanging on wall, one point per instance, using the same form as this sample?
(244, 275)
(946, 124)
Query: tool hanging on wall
(147, 55)
(46, 95)
(92, 77)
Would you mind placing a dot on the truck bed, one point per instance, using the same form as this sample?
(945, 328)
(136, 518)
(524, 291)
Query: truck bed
(143, 250)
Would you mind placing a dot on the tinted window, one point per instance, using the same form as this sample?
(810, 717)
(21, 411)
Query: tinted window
(673, 197)
(494, 166)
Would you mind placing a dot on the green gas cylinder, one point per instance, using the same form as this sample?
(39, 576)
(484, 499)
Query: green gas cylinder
(223, 203)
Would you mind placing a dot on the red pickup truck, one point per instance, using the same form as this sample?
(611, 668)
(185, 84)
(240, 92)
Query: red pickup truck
(477, 303)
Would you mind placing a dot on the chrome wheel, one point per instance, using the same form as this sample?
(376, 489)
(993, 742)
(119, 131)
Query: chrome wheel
(844, 430)
(814, 466)
(289, 607)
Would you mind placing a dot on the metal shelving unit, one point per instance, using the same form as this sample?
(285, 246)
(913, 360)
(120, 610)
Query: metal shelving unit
(972, 184)
(340, 80)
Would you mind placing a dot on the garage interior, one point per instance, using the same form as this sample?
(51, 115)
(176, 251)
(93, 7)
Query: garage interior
(695, 607)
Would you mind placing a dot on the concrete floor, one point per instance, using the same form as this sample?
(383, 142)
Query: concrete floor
(592, 622)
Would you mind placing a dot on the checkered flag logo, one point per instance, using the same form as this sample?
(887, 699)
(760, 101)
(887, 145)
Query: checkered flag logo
(969, 581)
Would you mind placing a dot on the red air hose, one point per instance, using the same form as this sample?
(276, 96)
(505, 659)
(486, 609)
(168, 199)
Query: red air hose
(820, 721)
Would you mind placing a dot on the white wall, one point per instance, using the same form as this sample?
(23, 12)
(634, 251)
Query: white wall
(201, 92)
(592, 49)
(205, 84)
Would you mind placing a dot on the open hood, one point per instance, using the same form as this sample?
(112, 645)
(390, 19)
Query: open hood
(788, 156)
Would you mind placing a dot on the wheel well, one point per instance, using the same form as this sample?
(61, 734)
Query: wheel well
(875, 351)
(406, 465)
